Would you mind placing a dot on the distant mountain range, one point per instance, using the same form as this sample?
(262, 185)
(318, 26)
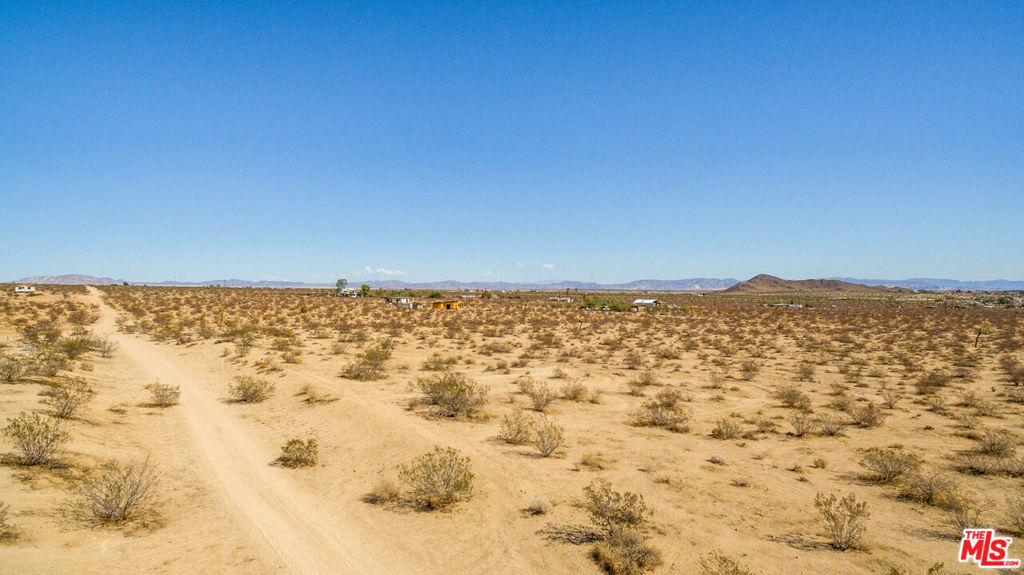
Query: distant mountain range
(761, 283)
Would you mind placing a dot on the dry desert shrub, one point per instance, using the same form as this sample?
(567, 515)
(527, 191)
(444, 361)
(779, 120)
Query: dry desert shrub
(540, 394)
(964, 513)
(869, 415)
(454, 394)
(829, 425)
(844, 519)
(548, 436)
(619, 516)
(370, 364)
(37, 436)
(515, 428)
(299, 453)
(727, 428)
(539, 506)
(247, 389)
(625, 552)
(7, 531)
(119, 493)
(929, 487)
(164, 394)
(802, 424)
(997, 442)
(716, 563)
(67, 395)
(887, 465)
(575, 391)
(14, 369)
(791, 396)
(613, 511)
(438, 478)
(1015, 515)
(660, 414)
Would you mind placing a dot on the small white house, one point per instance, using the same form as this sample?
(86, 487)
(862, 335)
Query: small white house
(24, 289)
(646, 302)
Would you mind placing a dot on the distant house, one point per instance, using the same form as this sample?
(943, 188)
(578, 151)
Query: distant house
(562, 299)
(446, 304)
(646, 302)
(24, 289)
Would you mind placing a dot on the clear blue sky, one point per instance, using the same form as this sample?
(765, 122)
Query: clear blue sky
(587, 141)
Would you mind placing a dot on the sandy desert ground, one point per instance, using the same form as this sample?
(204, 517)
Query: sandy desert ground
(733, 474)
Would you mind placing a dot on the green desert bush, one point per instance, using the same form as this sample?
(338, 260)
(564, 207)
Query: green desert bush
(164, 394)
(299, 453)
(613, 511)
(454, 394)
(438, 478)
(370, 364)
(247, 389)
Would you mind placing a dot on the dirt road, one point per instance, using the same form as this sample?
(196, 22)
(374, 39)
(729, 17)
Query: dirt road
(287, 524)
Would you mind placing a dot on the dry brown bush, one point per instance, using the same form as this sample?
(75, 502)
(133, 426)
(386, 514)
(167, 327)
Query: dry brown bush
(844, 519)
(119, 493)
(887, 465)
(67, 395)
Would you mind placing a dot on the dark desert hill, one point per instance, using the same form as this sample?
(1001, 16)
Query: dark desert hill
(765, 283)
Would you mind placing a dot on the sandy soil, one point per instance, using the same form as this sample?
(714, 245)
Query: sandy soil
(227, 508)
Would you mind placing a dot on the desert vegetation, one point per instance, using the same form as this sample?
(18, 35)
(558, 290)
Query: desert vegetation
(847, 417)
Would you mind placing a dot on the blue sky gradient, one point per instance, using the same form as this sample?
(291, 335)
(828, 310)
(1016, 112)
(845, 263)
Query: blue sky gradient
(597, 142)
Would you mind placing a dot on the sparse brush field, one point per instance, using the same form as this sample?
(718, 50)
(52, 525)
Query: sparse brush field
(267, 431)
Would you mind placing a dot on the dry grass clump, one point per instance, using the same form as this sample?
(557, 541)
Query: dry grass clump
(727, 428)
(383, 492)
(625, 553)
(164, 394)
(716, 563)
(539, 506)
(247, 389)
(454, 394)
(7, 531)
(439, 478)
(299, 453)
(67, 395)
(887, 465)
(119, 493)
(844, 519)
(37, 436)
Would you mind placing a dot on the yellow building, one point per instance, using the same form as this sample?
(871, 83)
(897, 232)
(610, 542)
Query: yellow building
(446, 304)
